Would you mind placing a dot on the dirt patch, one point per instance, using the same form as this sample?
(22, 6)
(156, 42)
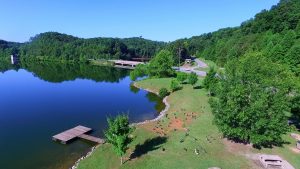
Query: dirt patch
(243, 150)
(171, 122)
(237, 148)
(295, 150)
(175, 124)
(155, 127)
(295, 136)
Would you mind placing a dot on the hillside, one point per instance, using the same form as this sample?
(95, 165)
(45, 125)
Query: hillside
(61, 46)
(275, 33)
(58, 46)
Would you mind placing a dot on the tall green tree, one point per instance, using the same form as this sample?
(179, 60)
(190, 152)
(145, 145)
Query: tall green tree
(161, 64)
(118, 133)
(253, 99)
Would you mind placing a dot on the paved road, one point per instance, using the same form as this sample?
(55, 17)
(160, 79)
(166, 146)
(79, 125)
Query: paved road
(200, 64)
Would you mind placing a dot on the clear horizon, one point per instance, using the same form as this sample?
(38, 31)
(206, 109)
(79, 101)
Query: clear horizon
(155, 20)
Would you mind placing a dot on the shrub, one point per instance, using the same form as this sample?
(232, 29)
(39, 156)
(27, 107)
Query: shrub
(175, 85)
(181, 77)
(163, 92)
(193, 78)
(139, 71)
(210, 82)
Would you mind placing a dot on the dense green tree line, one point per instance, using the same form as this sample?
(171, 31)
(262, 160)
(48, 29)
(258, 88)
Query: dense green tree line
(57, 46)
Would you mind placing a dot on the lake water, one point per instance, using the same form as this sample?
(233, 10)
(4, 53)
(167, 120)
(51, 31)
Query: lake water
(39, 100)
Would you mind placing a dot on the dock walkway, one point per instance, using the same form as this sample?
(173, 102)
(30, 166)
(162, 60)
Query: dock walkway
(76, 132)
(92, 138)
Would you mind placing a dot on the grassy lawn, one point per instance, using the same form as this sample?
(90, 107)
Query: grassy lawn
(176, 148)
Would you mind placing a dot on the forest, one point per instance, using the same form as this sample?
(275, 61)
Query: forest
(57, 46)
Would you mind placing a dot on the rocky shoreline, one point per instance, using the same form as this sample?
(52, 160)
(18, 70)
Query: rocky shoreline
(83, 157)
(161, 114)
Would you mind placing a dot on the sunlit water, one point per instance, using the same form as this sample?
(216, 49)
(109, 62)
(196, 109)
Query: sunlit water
(39, 100)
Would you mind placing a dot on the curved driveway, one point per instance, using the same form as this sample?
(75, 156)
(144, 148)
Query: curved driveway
(200, 64)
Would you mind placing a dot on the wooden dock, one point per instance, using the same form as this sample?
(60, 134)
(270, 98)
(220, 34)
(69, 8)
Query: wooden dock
(126, 63)
(76, 132)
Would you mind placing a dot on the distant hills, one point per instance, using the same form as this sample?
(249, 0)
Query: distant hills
(274, 32)
(53, 45)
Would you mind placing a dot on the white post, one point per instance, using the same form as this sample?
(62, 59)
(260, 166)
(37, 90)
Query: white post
(12, 59)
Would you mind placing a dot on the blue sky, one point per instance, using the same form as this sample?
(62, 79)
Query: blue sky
(164, 20)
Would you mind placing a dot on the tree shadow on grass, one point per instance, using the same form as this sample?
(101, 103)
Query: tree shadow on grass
(269, 145)
(198, 87)
(149, 145)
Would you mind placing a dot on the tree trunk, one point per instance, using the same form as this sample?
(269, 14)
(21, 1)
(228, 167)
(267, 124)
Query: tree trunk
(121, 160)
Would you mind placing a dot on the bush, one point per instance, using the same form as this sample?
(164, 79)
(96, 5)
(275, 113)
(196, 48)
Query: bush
(175, 85)
(163, 92)
(181, 77)
(210, 82)
(140, 71)
(193, 78)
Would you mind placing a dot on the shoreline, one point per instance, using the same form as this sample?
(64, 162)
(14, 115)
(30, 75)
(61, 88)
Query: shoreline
(161, 115)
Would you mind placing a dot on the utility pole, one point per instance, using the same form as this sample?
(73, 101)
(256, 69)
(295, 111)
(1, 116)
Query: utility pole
(179, 52)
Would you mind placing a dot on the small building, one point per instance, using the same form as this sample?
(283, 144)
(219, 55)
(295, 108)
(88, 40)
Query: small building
(188, 61)
(14, 59)
(298, 144)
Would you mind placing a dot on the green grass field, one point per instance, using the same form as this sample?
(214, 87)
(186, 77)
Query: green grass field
(178, 154)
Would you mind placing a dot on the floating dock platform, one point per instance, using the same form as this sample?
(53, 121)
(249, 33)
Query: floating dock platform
(77, 132)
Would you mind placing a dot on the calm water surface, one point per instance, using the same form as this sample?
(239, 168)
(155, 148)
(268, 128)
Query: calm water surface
(39, 100)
